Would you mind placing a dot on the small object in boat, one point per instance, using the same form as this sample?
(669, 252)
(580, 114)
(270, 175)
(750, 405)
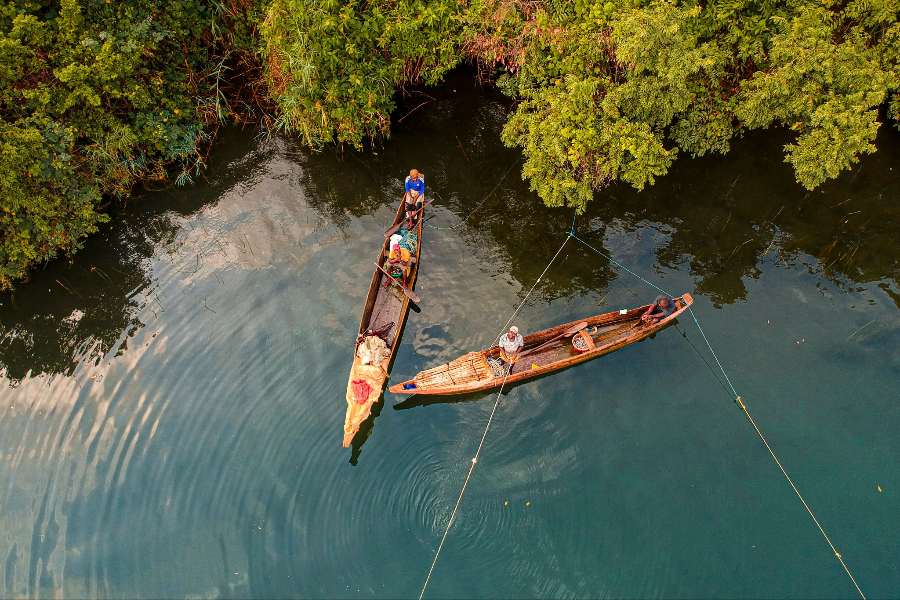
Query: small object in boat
(624, 311)
(361, 390)
(409, 386)
(583, 342)
(497, 367)
(534, 366)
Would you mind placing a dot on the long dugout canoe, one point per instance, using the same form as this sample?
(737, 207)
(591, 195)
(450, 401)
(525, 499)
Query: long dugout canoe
(604, 334)
(385, 312)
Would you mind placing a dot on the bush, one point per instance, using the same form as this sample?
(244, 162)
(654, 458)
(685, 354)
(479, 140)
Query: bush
(96, 96)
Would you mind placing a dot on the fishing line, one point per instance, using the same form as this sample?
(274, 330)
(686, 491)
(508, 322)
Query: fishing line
(490, 420)
(491, 193)
(737, 400)
(547, 268)
(466, 483)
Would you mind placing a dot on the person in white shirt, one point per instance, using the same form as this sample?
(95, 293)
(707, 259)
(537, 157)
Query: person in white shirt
(510, 346)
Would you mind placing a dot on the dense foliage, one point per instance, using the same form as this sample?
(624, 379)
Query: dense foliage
(97, 95)
(94, 96)
(615, 92)
(333, 66)
(606, 90)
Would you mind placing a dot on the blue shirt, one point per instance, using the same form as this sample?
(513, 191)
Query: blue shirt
(418, 185)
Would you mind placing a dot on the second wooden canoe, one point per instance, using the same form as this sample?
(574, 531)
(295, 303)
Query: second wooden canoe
(604, 334)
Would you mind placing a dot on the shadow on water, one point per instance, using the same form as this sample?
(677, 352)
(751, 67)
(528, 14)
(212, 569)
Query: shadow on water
(365, 431)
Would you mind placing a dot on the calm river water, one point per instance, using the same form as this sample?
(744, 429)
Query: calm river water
(173, 397)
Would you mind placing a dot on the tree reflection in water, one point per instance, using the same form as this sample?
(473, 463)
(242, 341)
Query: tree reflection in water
(72, 311)
(719, 217)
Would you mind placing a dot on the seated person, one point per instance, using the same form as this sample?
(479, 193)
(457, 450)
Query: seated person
(510, 346)
(415, 192)
(398, 264)
(661, 308)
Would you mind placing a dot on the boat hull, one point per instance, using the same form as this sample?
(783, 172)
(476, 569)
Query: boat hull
(385, 310)
(466, 374)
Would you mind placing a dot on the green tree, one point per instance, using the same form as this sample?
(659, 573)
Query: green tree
(333, 67)
(91, 101)
(614, 91)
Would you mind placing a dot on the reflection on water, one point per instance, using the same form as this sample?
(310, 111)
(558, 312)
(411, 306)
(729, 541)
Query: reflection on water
(173, 395)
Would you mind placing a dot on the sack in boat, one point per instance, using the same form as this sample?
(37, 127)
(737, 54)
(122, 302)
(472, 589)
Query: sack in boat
(361, 391)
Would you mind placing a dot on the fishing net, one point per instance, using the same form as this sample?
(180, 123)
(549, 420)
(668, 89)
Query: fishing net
(410, 241)
(497, 367)
(372, 350)
(579, 343)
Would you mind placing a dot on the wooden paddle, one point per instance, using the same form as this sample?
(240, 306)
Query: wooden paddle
(409, 293)
(390, 231)
(571, 331)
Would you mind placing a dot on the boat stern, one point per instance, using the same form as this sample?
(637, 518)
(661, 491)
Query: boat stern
(364, 389)
(398, 388)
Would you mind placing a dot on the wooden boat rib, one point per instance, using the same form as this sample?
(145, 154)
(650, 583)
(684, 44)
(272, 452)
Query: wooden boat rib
(385, 311)
(605, 333)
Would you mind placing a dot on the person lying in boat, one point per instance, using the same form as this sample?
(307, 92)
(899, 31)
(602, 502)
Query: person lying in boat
(415, 192)
(398, 264)
(510, 346)
(661, 308)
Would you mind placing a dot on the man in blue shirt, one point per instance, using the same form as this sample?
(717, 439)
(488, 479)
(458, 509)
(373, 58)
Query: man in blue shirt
(415, 192)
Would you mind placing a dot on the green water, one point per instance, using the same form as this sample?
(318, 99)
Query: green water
(173, 397)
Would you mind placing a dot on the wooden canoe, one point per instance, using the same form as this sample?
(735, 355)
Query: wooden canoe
(385, 311)
(607, 333)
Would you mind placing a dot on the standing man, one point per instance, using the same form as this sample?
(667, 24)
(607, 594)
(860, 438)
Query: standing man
(415, 192)
(510, 346)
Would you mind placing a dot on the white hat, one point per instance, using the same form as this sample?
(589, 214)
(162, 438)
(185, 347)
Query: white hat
(514, 329)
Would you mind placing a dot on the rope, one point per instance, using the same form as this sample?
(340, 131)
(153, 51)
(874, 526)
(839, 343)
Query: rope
(621, 266)
(739, 401)
(833, 549)
(490, 420)
(491, 193)
(547, 268)
(463, 491)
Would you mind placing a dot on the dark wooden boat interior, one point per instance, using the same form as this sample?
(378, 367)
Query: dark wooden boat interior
(386, 307)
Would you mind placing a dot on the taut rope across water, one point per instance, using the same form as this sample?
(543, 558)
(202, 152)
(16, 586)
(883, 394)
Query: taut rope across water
(740, 403)
(490, 420)
(736, 397)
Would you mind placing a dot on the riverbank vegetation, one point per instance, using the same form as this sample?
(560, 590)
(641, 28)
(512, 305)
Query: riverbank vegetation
(98, 96)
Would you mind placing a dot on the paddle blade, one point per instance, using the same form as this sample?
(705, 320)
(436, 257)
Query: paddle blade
(576, 328)
(410, 294)
(391, 231)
